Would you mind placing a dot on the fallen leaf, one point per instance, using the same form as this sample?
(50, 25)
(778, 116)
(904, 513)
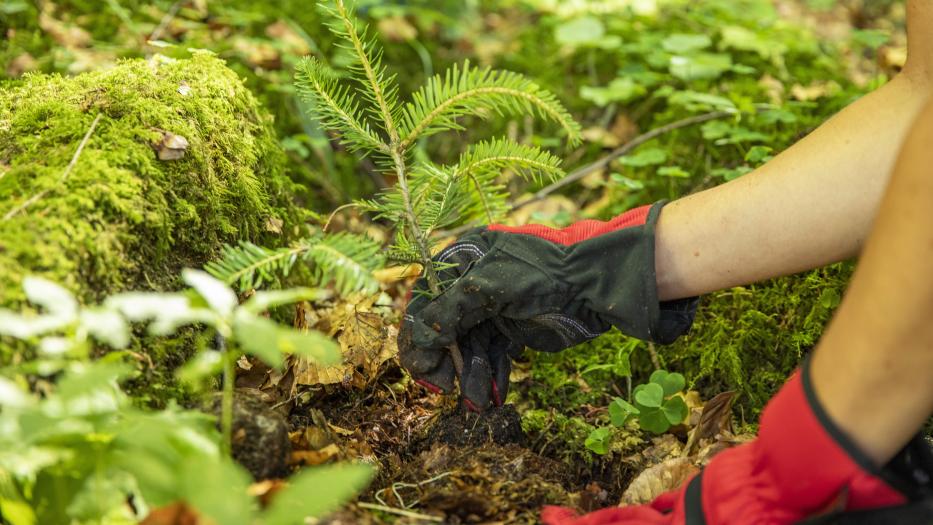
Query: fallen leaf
(315, 457)
(67, 35)
(173, 514)
(814, 91)
(21, 64)
(286, 36)
(654, 481)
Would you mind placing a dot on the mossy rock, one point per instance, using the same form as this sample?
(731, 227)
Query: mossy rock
(123, 219)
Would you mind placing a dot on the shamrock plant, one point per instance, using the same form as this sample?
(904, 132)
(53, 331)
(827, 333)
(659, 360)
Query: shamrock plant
(658, 405)
(81, 453)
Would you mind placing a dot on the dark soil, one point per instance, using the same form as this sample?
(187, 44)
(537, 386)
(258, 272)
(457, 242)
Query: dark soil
(499, 425)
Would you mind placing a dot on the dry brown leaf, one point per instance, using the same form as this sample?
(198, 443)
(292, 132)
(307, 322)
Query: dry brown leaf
(814, 91)
(266, 490)
(654, 481)
(174, 514)
(540, 210)
(365, 342)
(66, 35)
(315, 457)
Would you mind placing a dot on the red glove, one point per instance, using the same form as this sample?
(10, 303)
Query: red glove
(800, 466)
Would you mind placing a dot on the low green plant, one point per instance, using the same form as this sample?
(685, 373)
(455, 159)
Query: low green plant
(656, 405)
(81, 453)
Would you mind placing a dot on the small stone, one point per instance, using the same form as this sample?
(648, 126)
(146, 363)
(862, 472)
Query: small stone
(184, 89)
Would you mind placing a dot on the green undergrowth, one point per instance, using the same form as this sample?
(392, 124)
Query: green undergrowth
(122, 218)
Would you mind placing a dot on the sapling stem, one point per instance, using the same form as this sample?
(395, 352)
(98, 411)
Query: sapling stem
(226, 401)
(398, 158)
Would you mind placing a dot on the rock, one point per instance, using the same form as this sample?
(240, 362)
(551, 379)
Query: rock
(260, 435)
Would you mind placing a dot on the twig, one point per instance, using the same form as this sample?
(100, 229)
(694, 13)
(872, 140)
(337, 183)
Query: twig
(400, 512)
(74, 160)
(166, 20)
(619, 152)
(334, 213)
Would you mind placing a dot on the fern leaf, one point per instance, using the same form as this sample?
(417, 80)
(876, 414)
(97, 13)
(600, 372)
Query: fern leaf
(381, 88)
(343, 259)
(334, 105)
(471, 91)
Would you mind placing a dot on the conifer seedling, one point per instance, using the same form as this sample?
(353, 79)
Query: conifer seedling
(365, 109)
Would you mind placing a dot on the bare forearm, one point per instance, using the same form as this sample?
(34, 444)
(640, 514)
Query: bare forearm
(871, 370)
(811, 205)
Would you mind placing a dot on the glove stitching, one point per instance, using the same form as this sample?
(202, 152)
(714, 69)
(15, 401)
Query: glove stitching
(459, 247)
(571, 321)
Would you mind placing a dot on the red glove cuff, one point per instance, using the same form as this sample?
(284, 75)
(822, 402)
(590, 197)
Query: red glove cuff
(582, 230)
(814, 465)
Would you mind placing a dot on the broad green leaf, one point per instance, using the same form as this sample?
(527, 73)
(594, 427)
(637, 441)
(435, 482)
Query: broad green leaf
(684, 43)
(11, 395)
(737, 37)
(268, 340)
(716, 129)
(649, 395)
(54, 298)
(701, 66)
(645, 157)
(217, 488)
(695, 101)
(586, 30)
(830, 298)
(55, 346)
(262, 301)
(106, 326)
(631, 184)
(598, 440)
(167, 312)
(675, 410)
(87, 389)
(671, 383)
(758, 154)
(870, 38)
(673, 171)
(317, 491)
(622, 89)
(203, 365)
(731, 173)
(218, 295)
(621, 411)
(653, 420)
(24, 327)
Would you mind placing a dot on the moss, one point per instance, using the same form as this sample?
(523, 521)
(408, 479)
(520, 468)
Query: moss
(750, 339)
(123, 219)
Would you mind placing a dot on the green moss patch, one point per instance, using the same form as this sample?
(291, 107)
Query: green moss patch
(123, 218)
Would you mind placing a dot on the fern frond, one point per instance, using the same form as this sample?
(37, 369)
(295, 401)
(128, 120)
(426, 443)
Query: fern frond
(381, 88)
(343, 259)
(470, 91)
(404, 250)
(335, 106)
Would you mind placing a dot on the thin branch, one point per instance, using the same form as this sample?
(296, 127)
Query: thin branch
(166, 20)
(74, 160)
(621, 151)
(335, 212)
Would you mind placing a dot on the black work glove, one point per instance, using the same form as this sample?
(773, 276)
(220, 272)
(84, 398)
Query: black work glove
(504, 288)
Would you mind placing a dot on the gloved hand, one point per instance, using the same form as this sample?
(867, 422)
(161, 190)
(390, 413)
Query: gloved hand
(800, 466)
(504, 288)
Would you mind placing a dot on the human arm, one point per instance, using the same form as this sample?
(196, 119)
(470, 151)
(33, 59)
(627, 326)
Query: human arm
(837, 437)
(811, 205)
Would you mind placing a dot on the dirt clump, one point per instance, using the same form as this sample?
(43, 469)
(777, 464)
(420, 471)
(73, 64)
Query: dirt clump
(499, 425)
(489, 483)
